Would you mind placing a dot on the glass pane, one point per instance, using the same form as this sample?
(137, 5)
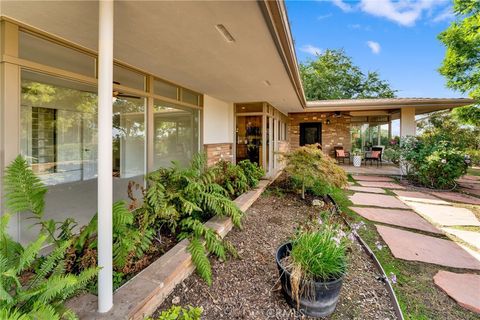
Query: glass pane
(128, 137)
(190, 97)
(59, 140)
(128, 78)
(51, 54)
(249, 138)
(176, 134)
(165, 89)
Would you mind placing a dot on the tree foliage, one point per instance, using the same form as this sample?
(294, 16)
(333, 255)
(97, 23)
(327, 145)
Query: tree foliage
(333, 75)
(461, 65)
(308, 165)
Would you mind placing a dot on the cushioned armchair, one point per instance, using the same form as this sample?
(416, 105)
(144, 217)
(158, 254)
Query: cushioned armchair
(341, 154)
(374, 155)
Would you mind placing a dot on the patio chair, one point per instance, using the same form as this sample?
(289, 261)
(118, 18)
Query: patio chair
(374, 155)
(341, 154)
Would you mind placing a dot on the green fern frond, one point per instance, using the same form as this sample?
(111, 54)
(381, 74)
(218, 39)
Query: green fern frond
(30, 253)
(200, 260)
(24, 191)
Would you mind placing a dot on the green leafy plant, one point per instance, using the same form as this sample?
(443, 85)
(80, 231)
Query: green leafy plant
(231, 177)
(184, 198)
(308, 165)
(434, 165)
(33, 286)
(320, 255)
(253, 172)
(180, 313)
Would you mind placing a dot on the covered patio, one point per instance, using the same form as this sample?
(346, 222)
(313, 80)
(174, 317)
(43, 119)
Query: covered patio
(360, 124)
(384, 170)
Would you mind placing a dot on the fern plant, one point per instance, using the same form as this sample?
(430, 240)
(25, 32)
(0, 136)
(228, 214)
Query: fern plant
(253, 172)
(231, 177)
(184, 198)
(35, 287)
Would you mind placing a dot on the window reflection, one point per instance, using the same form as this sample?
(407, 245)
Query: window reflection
(175, 134)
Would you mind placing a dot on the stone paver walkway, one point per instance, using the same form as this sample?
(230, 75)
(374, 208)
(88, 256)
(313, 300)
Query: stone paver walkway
(402, 218)
(380, 184)
(463, 288)
(373, 178)
(412, 246)
(366, 189)
(377, 200)
(432, 213)
(445, 215)
(470, 237)
(457, 197)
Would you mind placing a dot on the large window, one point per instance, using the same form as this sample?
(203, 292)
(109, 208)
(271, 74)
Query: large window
(176, 134)
(59, 128)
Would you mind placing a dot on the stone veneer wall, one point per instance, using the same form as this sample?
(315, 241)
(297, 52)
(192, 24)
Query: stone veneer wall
(218, 151)
(333, 134)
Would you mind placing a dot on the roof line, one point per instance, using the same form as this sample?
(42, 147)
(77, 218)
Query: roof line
(277, 21)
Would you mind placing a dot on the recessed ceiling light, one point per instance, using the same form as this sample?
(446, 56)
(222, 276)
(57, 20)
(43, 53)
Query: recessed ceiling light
(224, 32)
(267, 83)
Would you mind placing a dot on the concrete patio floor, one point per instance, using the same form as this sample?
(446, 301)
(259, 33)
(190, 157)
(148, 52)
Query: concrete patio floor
(385, 169)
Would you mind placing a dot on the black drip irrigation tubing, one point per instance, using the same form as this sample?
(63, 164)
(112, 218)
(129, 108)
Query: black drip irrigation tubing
(366, 248)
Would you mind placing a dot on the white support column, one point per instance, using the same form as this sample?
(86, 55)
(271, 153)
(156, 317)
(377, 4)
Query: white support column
(389, 128)
(407, 122)
(105, 187)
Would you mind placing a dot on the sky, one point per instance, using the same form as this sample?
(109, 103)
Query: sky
(396, 38)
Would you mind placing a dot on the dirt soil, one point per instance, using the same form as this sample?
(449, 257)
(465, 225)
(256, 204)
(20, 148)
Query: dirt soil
(249, 288)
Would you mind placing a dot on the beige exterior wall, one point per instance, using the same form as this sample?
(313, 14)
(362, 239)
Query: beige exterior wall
(408, 124)
(217, 120)
(337, 133)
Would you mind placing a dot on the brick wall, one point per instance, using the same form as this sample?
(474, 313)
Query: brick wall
(333, 134)
(218, 151)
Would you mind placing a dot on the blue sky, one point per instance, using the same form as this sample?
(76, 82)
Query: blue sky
(396, 38)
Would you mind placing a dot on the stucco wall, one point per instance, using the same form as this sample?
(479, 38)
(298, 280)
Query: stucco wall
(337, 133)
(217, 121)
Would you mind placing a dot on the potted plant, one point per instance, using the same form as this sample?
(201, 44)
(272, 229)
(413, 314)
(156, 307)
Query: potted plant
(312, 267)
(357, 157)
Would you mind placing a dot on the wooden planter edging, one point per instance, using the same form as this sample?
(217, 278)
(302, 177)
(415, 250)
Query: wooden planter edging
(147, 290)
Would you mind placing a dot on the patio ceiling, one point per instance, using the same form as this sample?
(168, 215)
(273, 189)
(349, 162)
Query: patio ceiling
(179, 41)
(391, 105)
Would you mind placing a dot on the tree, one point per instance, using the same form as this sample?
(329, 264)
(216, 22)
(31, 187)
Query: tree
(334, 76)
(461, 65)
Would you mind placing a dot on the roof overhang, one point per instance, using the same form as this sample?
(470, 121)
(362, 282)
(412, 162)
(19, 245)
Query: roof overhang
(179, 42)
(391, 105)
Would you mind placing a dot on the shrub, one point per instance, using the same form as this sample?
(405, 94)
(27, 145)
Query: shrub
(320, 255)
(231, 177)
(253, 172)
(180, 313)
(392, 155)
(434, 165)
(308, 165)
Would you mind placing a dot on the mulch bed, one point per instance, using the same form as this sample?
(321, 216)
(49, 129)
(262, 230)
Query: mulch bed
(248, 288)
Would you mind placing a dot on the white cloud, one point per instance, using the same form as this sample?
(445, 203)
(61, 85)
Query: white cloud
(314, 51)
(325, 16)
(403, 12)
(342, 5)
(446, 15)
(374, 46)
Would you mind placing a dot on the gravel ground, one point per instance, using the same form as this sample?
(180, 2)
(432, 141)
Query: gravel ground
(248, 288)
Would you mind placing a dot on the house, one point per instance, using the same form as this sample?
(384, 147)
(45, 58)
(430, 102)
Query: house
(96, 94)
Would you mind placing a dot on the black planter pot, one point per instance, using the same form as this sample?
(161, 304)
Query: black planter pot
(320, 301)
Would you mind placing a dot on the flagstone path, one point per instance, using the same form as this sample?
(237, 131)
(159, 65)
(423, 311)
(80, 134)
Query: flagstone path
(434, 214)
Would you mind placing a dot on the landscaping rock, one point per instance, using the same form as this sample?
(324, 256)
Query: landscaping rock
(463, 288)
(470, 237)
(416, 247)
